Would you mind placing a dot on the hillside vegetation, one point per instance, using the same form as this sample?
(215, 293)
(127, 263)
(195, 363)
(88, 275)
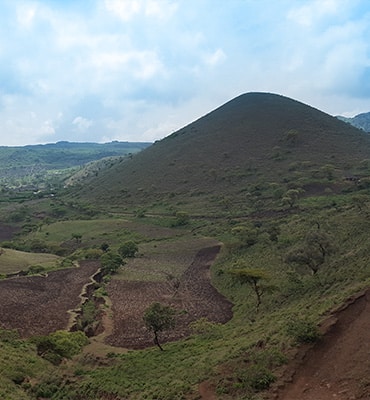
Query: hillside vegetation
(50, 163)
(279, 187)
(253, 142)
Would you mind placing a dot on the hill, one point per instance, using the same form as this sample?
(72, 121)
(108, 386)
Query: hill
(253, 140)
(30, 165)
(361, 121)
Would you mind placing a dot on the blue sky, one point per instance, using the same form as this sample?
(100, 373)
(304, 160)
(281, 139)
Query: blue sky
(137, 70)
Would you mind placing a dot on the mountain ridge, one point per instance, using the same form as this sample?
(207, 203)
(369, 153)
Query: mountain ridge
(361, 121)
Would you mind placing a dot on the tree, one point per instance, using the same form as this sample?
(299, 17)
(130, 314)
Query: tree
(314, 250)
(110, 262)
(128, 249)
(159, 318)
(253, 277)
(291, 196)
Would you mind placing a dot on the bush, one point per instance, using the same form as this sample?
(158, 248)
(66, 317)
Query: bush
(110, 263)
(59, 345)
(259, 378)
(35, 269)
(303, 331)
(181, 218)
(128, 249)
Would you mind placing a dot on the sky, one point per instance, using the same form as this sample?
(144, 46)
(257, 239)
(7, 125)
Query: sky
(138, 70)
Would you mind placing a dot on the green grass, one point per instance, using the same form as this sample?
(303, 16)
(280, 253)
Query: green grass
(13, 261)
(20, 367)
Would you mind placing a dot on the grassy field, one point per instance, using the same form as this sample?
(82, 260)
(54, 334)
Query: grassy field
(12, 261)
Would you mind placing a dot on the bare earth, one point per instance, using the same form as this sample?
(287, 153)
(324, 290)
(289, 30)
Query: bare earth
(39, 305)
(338, 367)
(195, 298)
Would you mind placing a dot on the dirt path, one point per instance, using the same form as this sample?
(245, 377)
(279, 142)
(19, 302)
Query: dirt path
(338, 367)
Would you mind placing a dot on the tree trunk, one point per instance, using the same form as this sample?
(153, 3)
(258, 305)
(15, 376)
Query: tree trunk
(156, 341)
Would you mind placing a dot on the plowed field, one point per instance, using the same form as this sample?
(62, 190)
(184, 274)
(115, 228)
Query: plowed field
(194, 299)
(39, 305)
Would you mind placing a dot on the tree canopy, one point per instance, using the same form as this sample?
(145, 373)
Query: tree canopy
(158, 318)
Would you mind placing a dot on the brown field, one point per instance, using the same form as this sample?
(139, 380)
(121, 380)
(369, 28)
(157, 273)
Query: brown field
(195, 298)
(39, 305)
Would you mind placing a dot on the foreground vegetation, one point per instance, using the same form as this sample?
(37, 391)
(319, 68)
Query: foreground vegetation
(240, 358)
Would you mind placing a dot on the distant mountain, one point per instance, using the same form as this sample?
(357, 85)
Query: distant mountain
(254, 140)
(20, 165)
(361, 121)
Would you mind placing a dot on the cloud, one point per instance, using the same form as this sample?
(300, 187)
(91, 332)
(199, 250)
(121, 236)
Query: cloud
(82, 124)
(314, 11)
(140, 69)
(215, 58)
(128, 9)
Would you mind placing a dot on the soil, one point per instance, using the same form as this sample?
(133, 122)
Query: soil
(195, 298)
(338, 366)
(39, 305)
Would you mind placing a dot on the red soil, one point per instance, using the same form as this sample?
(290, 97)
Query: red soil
(337, 367)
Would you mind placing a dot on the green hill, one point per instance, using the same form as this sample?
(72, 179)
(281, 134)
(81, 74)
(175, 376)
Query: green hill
(35, 164)
(255, 139)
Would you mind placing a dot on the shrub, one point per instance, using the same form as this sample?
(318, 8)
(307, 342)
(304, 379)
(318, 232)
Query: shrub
(128, 249)
(35, 269)
(181, 218)
(59, 345)
(303, 330)
(110, 262)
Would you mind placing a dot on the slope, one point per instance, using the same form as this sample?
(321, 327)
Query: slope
(256, 137)
(361, 121)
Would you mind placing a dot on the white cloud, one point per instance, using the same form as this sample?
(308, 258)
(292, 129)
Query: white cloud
(124, 9)
(309, 13)
(82, 124)
(139, 69)
(26, 14)
(215, 58)
(127, 9)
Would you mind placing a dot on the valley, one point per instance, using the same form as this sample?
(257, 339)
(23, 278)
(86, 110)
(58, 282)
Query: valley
(250, 224)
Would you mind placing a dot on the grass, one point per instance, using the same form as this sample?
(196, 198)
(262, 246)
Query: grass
(12, 261)
(158, 260)
(240, 357)
(19, 367)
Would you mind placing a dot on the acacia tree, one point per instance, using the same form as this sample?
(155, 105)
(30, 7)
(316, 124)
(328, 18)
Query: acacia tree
(313, 252)
(291, 196)
(159, 318)
(253, 277)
